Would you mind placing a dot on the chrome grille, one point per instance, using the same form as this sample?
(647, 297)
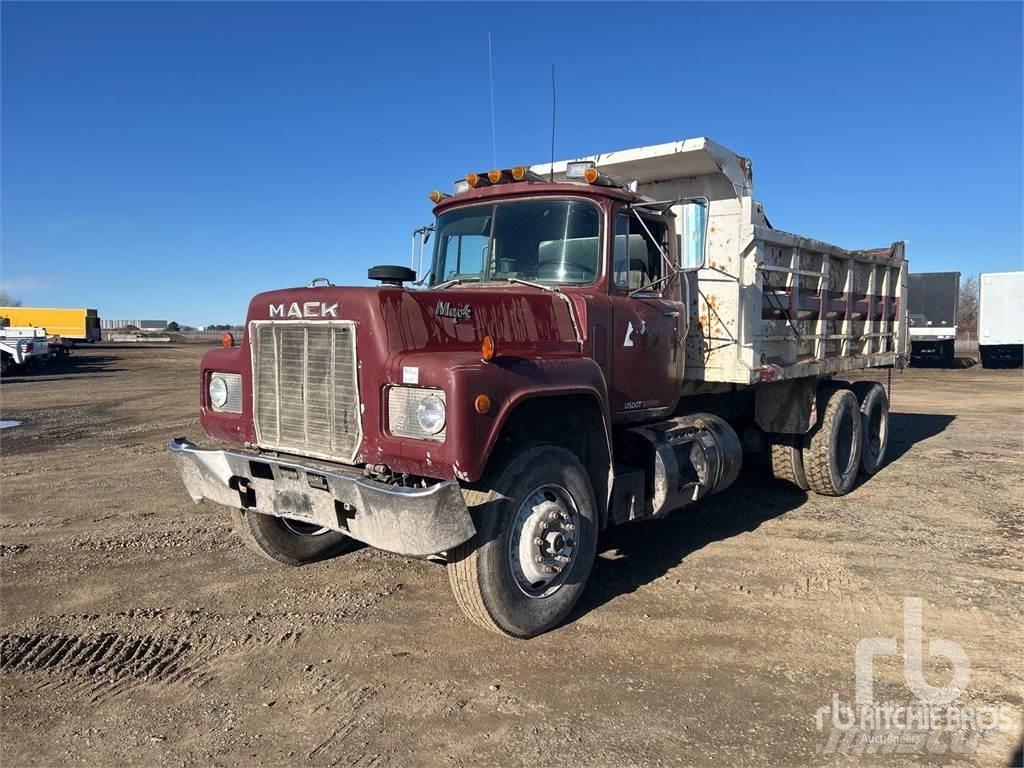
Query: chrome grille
(305, 395)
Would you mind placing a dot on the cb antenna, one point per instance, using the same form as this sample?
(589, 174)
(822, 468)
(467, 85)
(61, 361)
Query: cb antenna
(551, 175)
(490, 70)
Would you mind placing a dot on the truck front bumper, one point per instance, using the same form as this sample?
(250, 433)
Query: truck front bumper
(409, 521)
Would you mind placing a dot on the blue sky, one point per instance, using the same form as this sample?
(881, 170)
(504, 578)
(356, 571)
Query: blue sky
(171, 160)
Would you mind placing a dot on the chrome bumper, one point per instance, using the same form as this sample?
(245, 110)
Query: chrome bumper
(409, 521)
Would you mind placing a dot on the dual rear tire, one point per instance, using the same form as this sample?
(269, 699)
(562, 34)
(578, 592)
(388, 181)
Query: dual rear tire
(850, 438)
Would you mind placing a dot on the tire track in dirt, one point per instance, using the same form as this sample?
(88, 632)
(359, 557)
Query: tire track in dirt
(368, 711)
(104, 665)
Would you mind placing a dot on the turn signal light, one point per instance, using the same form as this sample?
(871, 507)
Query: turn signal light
(591, 175)
(227, 340)
(482, 404)
(494, 176)
(519, 172)
(487, 349)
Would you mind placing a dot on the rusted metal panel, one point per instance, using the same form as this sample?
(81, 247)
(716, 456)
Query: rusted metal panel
(768, 302)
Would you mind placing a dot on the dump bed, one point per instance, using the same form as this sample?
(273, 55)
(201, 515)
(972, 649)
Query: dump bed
(768, 304)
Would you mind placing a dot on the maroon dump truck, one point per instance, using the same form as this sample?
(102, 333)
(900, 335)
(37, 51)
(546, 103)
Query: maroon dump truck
(594, 342)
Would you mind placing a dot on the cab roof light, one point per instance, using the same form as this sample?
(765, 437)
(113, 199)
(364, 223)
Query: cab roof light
(495, 176)
(522, 173)
(437, 196)
(476, 180)
(585, 170)
(578, 169)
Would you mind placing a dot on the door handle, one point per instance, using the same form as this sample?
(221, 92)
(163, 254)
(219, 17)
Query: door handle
(670, 314)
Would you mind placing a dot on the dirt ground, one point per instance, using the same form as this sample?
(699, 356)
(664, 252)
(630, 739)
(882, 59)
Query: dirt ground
(136, 629)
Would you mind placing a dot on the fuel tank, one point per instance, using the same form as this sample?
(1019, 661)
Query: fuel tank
(683, 460)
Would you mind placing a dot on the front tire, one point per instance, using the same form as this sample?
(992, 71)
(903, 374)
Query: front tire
(536, 540)
(289, 542)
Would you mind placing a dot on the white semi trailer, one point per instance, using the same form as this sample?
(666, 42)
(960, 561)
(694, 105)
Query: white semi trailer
(1001, 320)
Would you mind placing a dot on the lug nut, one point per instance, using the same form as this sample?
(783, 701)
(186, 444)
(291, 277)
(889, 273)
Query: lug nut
(538, 540)
(569, 527)
(548, 569)
(538, 559)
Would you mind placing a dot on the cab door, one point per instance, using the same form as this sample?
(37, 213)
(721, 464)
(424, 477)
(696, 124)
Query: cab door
(647, 351)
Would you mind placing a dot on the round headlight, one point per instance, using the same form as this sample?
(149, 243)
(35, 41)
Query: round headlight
(431, 414)
(218, 392)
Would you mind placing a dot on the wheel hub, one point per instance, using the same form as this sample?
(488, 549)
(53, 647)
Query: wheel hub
(542, 545)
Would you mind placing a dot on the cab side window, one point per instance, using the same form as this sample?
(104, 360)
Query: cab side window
(637, 261)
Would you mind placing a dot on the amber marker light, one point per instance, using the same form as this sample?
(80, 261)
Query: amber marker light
(227, 340)
(482, 404)
(591, 175)
(519, 172)
(494, 176)
(436, 196)
(473, 179)
(487, 349)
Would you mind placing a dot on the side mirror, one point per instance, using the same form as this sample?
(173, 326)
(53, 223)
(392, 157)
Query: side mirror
(693, 229)
(420, 236)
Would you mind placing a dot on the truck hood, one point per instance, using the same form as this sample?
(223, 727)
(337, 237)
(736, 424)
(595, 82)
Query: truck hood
(522, 320)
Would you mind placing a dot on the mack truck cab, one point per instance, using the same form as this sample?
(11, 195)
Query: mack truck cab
(497, 410)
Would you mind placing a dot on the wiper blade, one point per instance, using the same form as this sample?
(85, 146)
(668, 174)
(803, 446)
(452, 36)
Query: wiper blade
(520, 281)
(456, 281)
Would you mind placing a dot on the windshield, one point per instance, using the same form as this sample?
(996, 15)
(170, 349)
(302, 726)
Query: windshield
(549, 241)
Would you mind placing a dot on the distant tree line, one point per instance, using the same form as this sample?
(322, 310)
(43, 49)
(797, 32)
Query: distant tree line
(968, 305)
(174, 327)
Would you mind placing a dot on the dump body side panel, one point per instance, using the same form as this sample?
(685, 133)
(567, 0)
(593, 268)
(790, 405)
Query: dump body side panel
(767, 305)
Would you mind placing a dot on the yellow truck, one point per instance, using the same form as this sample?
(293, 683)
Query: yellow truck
(74, 325)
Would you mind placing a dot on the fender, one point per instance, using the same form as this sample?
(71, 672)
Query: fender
(471, 437)
(532, 380)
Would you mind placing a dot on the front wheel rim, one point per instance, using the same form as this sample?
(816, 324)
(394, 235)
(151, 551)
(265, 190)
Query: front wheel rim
(544, 541)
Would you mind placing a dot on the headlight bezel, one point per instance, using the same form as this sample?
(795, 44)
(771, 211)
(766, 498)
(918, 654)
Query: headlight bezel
(404, 412)
(232, 389)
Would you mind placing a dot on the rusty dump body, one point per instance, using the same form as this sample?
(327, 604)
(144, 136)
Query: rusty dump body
(324, 389)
